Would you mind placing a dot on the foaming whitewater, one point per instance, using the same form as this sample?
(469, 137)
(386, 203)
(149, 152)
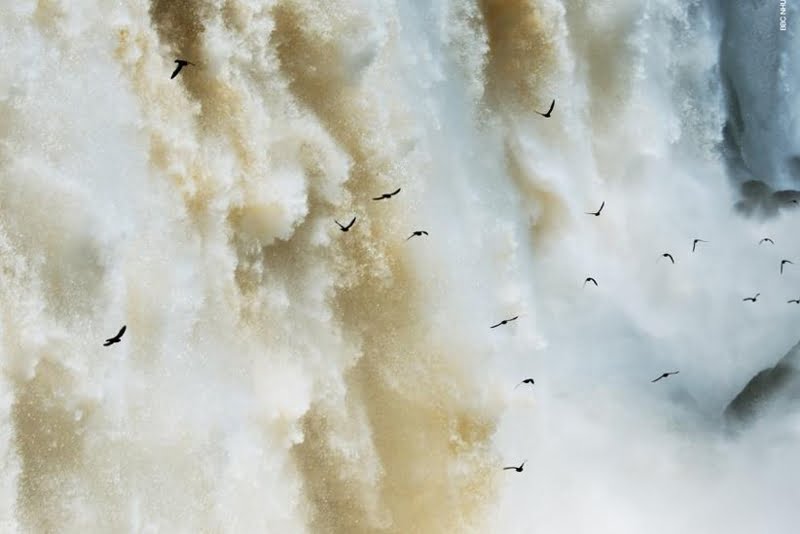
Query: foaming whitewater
(279, 375)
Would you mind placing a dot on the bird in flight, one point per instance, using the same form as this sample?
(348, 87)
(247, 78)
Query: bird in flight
(505, 321)
(664, 375)
(417, 234)
(116, 339)
(345, 228)
(181, 63)
(668, 255)
(547, 115)
(526, 381)
(784, 262)
(596, 213)
(589, 279)
(517, 469)
(766, 239)
(387, 195)
(793, 301)
(696, 241)
(751, 299)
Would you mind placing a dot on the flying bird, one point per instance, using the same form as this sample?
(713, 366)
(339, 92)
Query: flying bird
(526, 381)
(793, 301)
(547, 115)
(596, 213)
(589, 279)
(116, 339)
(664, 375)
(517, 469)
(768, 240)
(751, 299)
(668, 255)
(696, 241)
(505, 321)
(181, 63)
(345, 228)
(784, 262)
(417, 234)
(387, 195)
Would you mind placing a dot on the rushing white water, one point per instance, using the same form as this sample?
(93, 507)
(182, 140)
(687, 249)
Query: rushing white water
(279, 375)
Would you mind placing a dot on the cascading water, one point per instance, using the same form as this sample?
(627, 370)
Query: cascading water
(278, 375)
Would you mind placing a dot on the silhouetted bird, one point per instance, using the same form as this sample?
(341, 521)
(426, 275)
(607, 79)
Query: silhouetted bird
(793, 301)
(596, 213)
(505, 321)
(181, 63)
(768, 240)
(668, 255)
(665, 375)
(345, 228)
(590, 279)
(549, 111)
(784, 262)
(696, 241)
(526, 381)
(517, 469)
(417, 234)
(116, 339)
(387, 195)
(751, 299)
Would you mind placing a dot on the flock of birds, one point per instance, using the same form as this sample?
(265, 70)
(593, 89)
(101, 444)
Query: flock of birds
(181, 63)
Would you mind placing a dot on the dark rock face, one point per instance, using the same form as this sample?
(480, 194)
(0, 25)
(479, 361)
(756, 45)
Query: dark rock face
(758, 198)
(778, 385)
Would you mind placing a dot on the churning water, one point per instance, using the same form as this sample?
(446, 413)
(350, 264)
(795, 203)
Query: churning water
(281, 376)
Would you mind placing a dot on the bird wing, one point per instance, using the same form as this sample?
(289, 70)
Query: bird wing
(378, 198)
(552, 105)
(507, 468)
(514, 318)
(176, 71)
(340, 224)
(122, 331)
(352, 222)
(602, 205)
(398, 190)
(657, 379)
(495, 326)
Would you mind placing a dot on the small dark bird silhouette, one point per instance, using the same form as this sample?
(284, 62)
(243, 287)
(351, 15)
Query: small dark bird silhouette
(181, 63)
(116, 339)
(590, 279)
(387, 195)
(696, 241)
(668, 255)
(596, 213)
(793, 301)
(665, 375)
(526, 381)
(766, 239)
(417, 234)
(784, 262)
(549, 111)
(517, 469)
(505, 321)
(345, 228)
(751, 299)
